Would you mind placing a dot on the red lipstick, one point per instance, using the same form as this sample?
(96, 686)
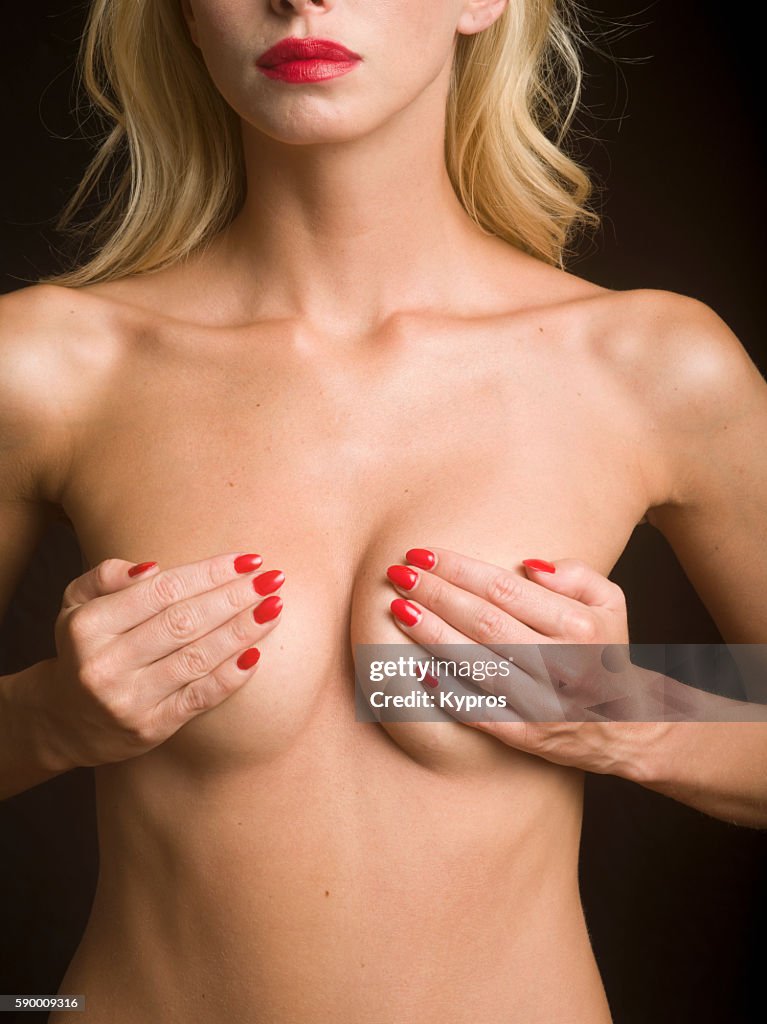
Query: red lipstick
(307, 60)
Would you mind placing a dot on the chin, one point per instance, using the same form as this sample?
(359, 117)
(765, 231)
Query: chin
(311, 128)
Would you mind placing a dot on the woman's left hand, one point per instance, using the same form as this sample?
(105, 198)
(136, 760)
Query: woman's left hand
(573, 696)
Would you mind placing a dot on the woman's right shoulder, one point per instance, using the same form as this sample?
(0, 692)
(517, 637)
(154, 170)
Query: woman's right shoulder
(40, 311)
(57, 347)
(48, 337)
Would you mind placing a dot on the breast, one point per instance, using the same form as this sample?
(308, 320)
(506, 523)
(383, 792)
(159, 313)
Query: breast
(336, 597)
(302, 695)
(431, 737)
(331, 484)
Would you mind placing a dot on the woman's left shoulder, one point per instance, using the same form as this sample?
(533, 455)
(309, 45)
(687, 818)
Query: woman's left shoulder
(661, 313)
(675, 345)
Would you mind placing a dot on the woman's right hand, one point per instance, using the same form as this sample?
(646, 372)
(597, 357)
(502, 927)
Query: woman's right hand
(138, 657)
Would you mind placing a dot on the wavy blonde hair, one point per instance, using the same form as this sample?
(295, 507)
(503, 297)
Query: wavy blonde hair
(171, 155)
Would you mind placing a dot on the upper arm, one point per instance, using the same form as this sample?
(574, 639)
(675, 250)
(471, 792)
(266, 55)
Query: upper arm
(33, 439)
(706, 406)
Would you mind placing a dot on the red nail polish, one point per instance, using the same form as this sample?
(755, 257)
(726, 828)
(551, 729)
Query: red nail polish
(406, 612)
(402, 576)
(246, 563)
(141, 567)
(248, 658)
(421, 557)
(430, 680)
(269, 609)
(539, 564)
(268, 582)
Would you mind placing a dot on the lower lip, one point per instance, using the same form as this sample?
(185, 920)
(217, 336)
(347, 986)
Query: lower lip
(309, 70)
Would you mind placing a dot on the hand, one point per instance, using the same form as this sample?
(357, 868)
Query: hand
(139, 656)
(560, 628)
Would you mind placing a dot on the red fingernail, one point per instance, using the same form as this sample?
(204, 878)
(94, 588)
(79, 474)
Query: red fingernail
(268, 582)
(406, 612)
(402, 576)
(430, 680)
(248, 658)
(421, 557)
(538, 563)
(141, 567)
(246, 563)
(269, 609)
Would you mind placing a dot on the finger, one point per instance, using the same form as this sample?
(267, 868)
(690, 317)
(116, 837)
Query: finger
(397, 684)
(529, 690)
(548, 614)
(189, 620)
(430, 630)
(201, 695)
(550, 666)
(115, 613)
(465, 704)
(203, 674)
(575, 579)
(107, 577)
(477, 618)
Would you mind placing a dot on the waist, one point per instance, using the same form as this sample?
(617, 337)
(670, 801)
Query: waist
(337, 882)
(374, 958)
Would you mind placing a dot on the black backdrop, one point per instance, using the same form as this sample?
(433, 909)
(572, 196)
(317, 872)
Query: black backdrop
(675, 900)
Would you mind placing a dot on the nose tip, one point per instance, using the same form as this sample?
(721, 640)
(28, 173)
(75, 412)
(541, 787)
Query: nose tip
(299, 6)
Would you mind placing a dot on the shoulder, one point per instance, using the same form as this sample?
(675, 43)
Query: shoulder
(672, 348)
(45, 336)
(664, 353)
(681, 389)
(32, 322)
(678, 348)
(49, 336)
(698, 395)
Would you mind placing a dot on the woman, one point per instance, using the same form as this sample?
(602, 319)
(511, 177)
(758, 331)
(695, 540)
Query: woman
(349, 344)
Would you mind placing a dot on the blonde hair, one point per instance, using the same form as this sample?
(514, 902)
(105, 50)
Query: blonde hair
(171, 151)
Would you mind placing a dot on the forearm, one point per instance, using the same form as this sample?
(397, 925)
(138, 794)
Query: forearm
(26, 754)
(719, 767)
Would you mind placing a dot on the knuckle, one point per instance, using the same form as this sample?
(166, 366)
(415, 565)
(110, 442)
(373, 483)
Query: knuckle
(578, 626)
(215, 572)
(105, 571)
(193, 699)
(438, 592)
(179, 622)
(489, 624)
(460, 573)
(94, 674)
(436, 633)
(242, 631)
(221, 684)
(139, 732)
(505, 588)
(164, 589)
(569, 671)
(78, 623)
(617, 594)
(192, 661)
(121, 710)
(233, 597)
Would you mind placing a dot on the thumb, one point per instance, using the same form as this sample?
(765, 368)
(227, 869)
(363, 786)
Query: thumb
(574, 578)
(109, 576)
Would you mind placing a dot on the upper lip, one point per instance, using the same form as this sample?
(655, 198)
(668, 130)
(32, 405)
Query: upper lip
(305, 49)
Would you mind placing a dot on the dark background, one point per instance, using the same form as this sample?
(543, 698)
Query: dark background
(676, 901)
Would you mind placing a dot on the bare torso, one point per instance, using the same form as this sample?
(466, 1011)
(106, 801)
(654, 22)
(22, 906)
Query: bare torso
(276, 861)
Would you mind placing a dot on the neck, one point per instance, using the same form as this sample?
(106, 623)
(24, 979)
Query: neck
(345, 233)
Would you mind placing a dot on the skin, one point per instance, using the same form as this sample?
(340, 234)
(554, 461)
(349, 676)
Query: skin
(301, 390)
